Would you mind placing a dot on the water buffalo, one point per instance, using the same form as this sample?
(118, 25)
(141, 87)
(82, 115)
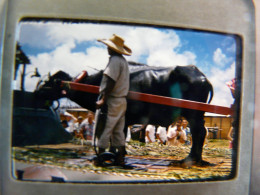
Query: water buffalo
(185, 82)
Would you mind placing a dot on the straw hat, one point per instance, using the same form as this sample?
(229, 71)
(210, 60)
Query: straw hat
(116, 43)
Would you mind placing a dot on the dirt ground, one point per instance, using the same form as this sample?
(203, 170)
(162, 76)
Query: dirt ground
(152, 161)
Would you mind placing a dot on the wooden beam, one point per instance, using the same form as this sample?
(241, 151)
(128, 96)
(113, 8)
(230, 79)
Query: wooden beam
(156, 99)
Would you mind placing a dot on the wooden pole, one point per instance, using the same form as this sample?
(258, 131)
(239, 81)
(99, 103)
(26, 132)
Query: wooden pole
(156, 99)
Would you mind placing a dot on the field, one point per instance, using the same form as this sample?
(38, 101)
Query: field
(152, 161)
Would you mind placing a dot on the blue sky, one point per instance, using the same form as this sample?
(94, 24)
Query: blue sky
(54, 46)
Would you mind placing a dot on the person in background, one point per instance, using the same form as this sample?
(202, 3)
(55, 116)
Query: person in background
(176, 135)
(87, 126)
(234, 86)
(150, 134)
(230, 137)
(71, 122)
(161, 135)
(64, 124)
(187, 131)
(128, 135)
(78, 128)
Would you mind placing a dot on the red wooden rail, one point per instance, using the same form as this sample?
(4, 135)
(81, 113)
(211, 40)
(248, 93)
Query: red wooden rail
(156, 99)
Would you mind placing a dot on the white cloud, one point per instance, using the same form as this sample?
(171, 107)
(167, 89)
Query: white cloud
(170, 58)
(143, 41)
(71, 62)
(53, 34)
(218, 78)
(96, 58)
(36, 36)
(220, 58)
(158, 47)
(62, 58)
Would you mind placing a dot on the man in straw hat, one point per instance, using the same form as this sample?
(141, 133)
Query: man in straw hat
(113, 91)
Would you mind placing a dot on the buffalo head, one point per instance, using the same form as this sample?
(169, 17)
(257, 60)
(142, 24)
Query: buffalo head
(51, 89)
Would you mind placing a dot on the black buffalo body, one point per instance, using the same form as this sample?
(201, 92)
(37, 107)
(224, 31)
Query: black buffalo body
(184, 82)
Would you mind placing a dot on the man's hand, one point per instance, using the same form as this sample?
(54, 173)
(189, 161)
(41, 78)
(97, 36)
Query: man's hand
(109, 85)
(100, 103)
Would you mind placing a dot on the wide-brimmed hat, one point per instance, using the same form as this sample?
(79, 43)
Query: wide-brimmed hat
(116, 43)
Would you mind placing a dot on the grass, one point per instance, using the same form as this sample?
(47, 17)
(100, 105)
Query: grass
(72, 156)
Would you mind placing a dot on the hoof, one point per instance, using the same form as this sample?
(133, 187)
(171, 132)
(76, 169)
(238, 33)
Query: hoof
(189, 162)
(204, 163)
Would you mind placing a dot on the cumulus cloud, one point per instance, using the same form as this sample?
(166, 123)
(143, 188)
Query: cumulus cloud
(220, 58)
(143, 41)
(36, 36)
(170, 58)
(218, 79)
(71, 62)
(153, 46)
(53, 34)
(158, 46)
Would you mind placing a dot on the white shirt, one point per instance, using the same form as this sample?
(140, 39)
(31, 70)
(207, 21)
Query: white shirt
(151, 133)
(161, 131)
(71, 126)
(172, 132)
(89, 128)
(128, 135)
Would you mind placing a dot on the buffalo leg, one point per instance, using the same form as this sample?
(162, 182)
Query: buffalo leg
(198, 132)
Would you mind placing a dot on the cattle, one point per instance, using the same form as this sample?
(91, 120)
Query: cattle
(184, 82)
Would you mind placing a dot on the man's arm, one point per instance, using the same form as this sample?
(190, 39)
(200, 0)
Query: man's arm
(158, 137)
(110, 84)
(147, 135)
